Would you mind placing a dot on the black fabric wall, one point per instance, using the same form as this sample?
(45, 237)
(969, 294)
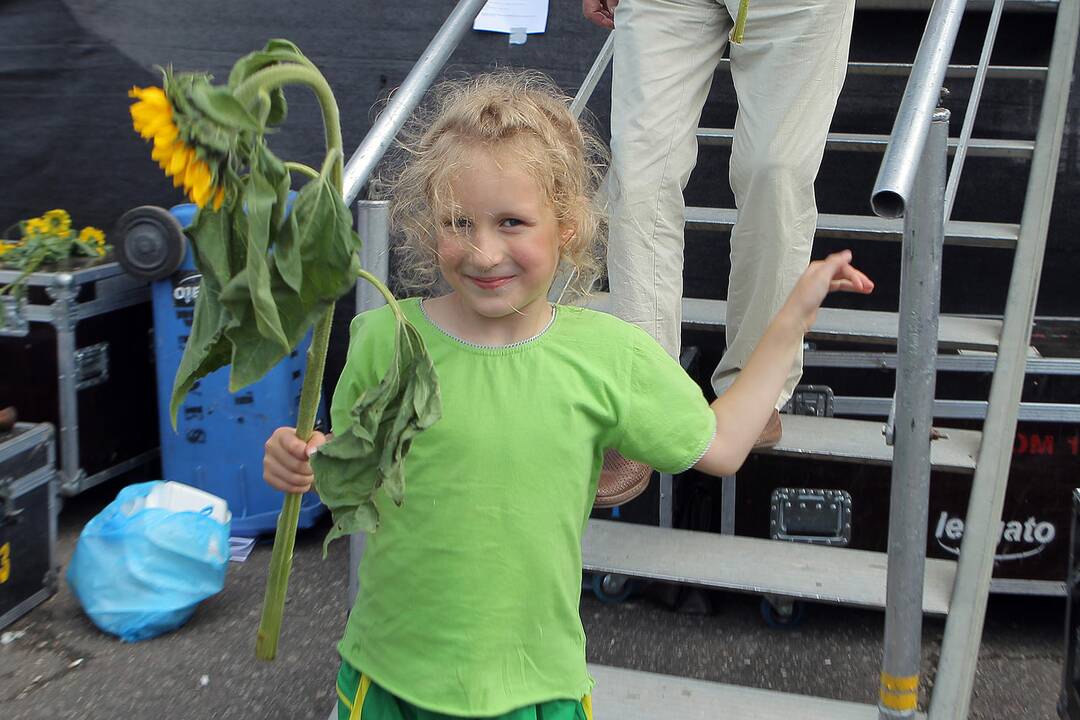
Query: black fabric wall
(66, 139)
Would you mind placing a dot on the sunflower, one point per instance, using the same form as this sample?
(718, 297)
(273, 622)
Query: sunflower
(57, 222)
(90, 234)
(152, 117)
(35, 226)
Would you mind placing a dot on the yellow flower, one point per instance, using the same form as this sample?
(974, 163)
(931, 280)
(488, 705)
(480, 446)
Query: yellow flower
(35, 226)
(5, 247)
(58, 222)
(152, 117)
(92, 234)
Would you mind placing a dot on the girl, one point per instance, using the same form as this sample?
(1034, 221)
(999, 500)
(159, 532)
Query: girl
(470, 589)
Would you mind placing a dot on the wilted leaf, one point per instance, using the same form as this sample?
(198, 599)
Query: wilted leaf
(385, 419)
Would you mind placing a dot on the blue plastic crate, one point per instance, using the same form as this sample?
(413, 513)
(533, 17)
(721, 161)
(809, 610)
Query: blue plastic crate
(218, 442)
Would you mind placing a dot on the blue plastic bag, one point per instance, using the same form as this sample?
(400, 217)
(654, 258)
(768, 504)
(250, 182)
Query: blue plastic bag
(140, 571)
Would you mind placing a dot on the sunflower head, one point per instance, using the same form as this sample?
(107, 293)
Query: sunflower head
(92, 235)
(58, 222)
(198, 167)
(35, 227)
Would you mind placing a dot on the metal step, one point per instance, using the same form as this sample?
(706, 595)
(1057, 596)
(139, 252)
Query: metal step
(729, 562)
(634, 695)
(900, 69)
(849, 325)
(870, 142)
(862, 441)
(961, 409)
(974, 5)
(871, 227)
(964, 362)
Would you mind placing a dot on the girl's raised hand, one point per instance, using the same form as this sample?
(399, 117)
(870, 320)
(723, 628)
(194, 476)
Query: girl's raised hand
(834, 273)
(285, 460)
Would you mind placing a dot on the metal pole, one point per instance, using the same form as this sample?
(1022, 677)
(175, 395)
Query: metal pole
(407, 97)
(593, 76)
(372, 224)
(920, 292)
(894, 181)
(963, 629)
(63, 319)
(972, 108)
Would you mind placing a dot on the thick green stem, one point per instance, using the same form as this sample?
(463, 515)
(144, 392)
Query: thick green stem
(285, 539)
(277, 582)
(740, 22)
(296, 73)
(303, 169)
(384, 291)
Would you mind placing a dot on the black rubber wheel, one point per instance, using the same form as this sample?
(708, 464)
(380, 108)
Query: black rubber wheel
(777, 620)
(149, 242)
(613, 589)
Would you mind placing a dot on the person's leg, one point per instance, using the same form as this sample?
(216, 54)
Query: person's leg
(788, 72)
(665, 55)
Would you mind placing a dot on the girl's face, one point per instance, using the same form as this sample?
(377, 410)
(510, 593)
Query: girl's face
(501, 250)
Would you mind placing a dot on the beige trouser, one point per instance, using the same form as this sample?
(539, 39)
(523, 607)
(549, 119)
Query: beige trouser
(788, 72)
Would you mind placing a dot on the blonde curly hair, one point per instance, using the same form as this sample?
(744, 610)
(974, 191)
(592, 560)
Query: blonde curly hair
(508, 110)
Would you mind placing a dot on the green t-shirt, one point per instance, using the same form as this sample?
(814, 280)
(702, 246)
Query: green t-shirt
(470, 590)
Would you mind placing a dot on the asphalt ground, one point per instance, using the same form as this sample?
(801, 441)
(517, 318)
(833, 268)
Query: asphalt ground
(55, 664)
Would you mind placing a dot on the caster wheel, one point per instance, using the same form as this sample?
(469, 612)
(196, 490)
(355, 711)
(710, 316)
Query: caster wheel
(777, 619)
(612, 588)
(149, 242)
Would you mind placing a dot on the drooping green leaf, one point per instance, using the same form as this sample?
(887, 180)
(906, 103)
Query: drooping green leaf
(259, 198)
(287, 259)
(385, 419)
(329, 244)
(206, 350)
(220, 106)
(214, 233)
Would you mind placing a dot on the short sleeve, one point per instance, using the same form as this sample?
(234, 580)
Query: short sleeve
(666, 421)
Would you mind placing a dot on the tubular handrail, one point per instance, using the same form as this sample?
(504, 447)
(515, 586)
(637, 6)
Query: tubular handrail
(378, 140)
(972, 108)
(892, 189)
(592, 78)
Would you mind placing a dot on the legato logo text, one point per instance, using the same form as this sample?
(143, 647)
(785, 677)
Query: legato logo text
(1031, 535)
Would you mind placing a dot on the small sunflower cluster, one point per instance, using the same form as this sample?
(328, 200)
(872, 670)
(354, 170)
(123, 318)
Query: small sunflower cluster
(154, 118)
(50, 238)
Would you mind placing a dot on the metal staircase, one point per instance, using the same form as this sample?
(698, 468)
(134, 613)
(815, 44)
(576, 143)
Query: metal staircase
(912, 186)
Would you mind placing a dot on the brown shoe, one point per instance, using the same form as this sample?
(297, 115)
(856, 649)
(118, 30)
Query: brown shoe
(7, 418)
(772, 432)
(621, 480)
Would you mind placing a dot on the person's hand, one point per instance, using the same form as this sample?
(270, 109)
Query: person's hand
(285, 460)
(833, 274)
(600, 12)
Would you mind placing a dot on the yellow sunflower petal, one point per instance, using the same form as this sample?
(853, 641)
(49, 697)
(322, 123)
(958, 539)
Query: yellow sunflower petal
(162, 154)
(201, 194)
(219, 197)
(154, 95)
(167, 134)
(179, 161)
(155, 126)
(197, 175)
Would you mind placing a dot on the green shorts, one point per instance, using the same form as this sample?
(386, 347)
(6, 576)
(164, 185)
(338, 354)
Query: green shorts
(361, 699)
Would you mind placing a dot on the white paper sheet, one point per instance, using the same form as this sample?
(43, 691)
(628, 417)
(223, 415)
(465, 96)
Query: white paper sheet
(240, 548)
(506, 15)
